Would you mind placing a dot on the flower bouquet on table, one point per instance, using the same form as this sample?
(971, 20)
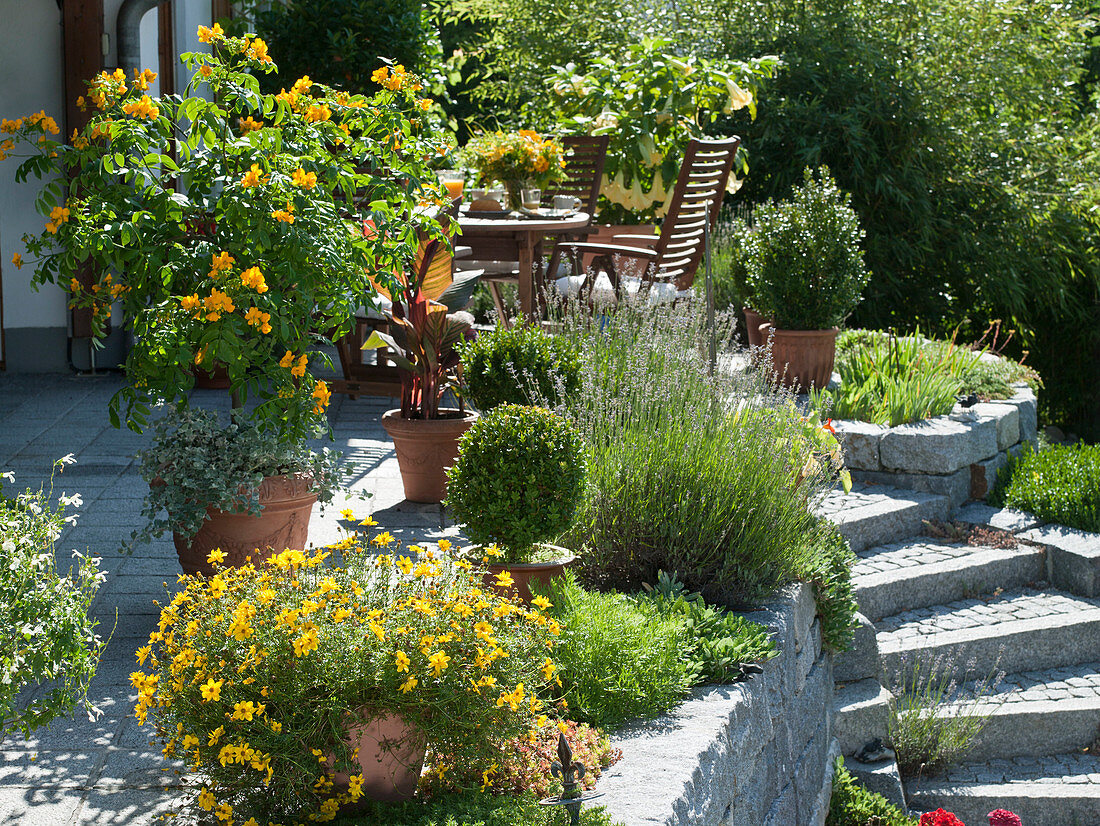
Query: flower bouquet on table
(297, 686)
(519, 159)
(226, 225)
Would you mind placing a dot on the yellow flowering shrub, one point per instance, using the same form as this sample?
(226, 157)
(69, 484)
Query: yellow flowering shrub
(254, 675)
(231, 221)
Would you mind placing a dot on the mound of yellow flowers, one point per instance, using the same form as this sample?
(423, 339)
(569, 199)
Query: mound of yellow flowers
(255, 675)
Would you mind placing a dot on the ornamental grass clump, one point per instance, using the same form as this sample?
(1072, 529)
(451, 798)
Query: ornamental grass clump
(47, 639)
(255, 674)
(518, 479)
(710, 476)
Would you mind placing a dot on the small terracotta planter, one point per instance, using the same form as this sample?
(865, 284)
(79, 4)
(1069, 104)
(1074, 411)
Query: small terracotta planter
(425, 449)
(391, 758)
(803, 358)
(753, 322)
(524, 573)
(287, 503)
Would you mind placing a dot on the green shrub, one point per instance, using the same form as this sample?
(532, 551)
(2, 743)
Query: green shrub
(891, 380)
(1059, 484)
(47, 639)
(618, 660)
(853, 805)
(831, 577)
(520, 364)
(518, 478)
(471, 809)
(684, 475)
(993, 378)
(719, 647)
(342, 42)
(804, 262)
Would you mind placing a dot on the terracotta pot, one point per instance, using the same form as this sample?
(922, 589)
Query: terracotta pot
(391, 757)
(524, 573)
(753, 322)
(425, 449)
(216, 379)
(802, 358)
(287, 502)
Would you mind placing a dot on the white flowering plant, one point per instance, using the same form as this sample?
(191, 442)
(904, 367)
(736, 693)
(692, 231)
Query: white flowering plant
(651, 103)
(47, 639)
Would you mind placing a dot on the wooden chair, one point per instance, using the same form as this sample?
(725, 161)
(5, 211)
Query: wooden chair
(584, 162)
(435, 266)
(672, 261)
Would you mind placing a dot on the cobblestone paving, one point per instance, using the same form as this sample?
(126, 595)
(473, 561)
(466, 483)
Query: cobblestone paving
(1074, 682)
(886, 559)
(861, 496)
(1010, 606)
(1059, 768)
(105, 771)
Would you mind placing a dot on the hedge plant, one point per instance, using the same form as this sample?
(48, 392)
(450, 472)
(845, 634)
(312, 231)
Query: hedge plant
(519, 365)
(1060, 484)
(518, 479)
(805, 265)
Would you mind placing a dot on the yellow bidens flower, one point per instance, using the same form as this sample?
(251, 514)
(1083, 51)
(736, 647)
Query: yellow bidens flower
(439, 662)
(144, 108)
(206, 800)
(217, 303)
(409, 685)
(246, 710)
(253, 177)
(402, 660)
(254, 279)
(306, 642)
(256, 318)
(207, 35)
(504, 580)
(306, 180)
(211, 690)
(216, 556)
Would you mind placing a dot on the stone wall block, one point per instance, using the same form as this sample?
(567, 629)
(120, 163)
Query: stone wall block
(983, 475)
(861, 660)
(955, 486)
(939, 445)
(1005, 417)
(860, 441)
(1074, 557)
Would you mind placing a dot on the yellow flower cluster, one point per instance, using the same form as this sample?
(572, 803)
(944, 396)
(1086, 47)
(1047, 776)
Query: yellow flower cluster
(306, 180)
(142, 79)
(396, 79)
(255, 318)
(296, 364)
(226, 675)
(321, 396)
(517, 156)
(250, 124)
(142, 108)
(254, 177)
(217, 303)
(58, 216)
(254, 279)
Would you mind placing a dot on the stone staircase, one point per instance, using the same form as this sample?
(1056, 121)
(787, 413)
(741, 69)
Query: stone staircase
(1031, 611)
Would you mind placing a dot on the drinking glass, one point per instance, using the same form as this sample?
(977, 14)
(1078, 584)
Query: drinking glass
(453, 181)
(531, 198)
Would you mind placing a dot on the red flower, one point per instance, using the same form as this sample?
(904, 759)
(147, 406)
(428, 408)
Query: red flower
(829, 426)
(1003, 817)
(940, 818)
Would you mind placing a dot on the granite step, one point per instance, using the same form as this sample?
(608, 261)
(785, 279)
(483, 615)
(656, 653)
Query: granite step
(861, 713)
(1024, 629)
(876, 514)
(922, 571)
(1056, 790)
(1034, 713)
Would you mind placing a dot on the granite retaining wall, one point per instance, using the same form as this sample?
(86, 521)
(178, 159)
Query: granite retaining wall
(957, 455)
(758, 753)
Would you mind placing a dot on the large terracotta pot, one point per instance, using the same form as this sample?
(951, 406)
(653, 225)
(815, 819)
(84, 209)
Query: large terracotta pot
(391, 757)
(753, 322)
(524, 573)
(425, 449)
(802, 358)
(287, 502)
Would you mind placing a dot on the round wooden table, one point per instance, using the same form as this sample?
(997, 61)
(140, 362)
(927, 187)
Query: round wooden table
(517, 239)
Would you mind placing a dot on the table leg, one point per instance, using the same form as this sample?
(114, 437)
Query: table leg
(527, 274)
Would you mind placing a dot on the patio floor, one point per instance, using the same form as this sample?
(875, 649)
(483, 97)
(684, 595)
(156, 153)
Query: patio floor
(106, 771)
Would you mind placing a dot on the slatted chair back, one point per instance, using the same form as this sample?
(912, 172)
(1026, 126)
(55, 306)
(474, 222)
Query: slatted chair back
(698, 194)
(584, 161)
